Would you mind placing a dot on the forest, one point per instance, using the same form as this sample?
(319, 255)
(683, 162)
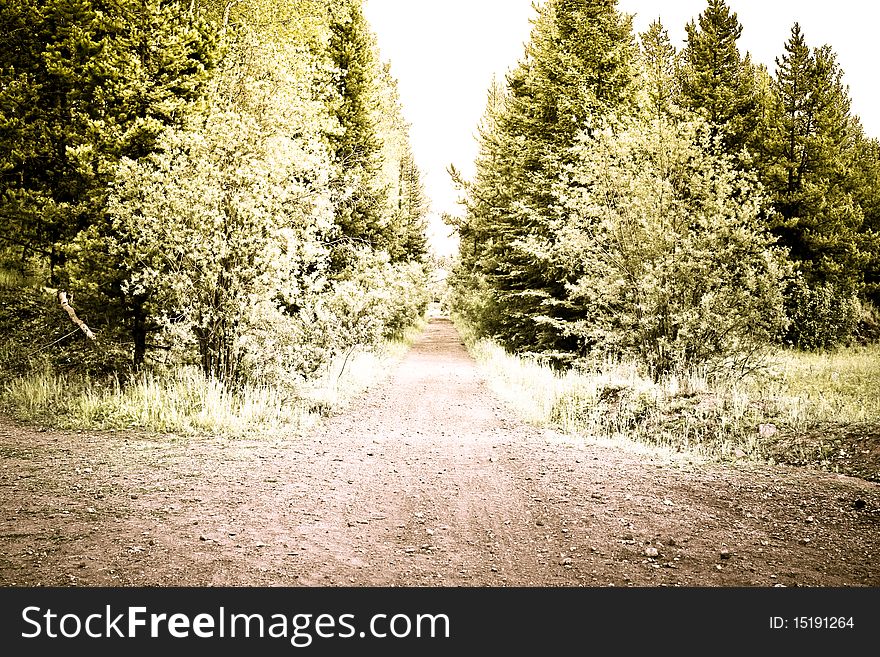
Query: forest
(678, 207)
(676, 246)
(225, 189)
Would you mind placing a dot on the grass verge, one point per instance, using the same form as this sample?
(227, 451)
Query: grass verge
(808, 409)
(186, 402)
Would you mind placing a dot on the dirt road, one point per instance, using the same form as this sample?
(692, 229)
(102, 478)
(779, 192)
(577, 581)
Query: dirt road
(428, 480)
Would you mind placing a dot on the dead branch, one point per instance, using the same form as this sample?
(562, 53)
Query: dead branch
(62, 299)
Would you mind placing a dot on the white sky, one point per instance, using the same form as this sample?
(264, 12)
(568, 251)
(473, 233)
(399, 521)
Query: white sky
(445, 52)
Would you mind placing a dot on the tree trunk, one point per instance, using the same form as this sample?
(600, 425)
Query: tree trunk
(139, 335)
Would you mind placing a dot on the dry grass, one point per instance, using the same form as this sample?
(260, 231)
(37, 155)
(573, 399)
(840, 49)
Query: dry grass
(819, 409)
(185, 402)
(802, 389)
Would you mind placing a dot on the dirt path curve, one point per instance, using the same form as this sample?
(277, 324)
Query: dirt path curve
(428, 480)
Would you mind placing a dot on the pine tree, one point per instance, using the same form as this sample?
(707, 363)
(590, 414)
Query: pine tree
(90, 81)
(357, 144)
(46, 82)
(410, 224)
(577, 70)
(716, 81)
(19, 132)
(865, 189)
(404, 236)
(659, 65)
(809, 179)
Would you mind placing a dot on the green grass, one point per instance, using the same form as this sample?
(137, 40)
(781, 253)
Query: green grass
(808, 388)
(186, 402)
(14, 279)
(817, 409)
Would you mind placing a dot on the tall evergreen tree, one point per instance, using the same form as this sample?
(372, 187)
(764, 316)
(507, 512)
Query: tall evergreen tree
(404, 236)
(357, 143)
(716, 81)
(865, 190)
(659, 66)
(577, 70)
(47, 84)
(86, 82)
(809, 178)
(410, 225)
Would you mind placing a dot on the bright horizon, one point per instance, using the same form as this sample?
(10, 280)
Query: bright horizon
(444, 55)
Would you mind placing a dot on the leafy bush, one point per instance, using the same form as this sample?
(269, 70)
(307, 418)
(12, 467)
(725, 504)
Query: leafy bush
(377, 300)
(216, 235)
(664, 253)
(821, 316)
(868, 329)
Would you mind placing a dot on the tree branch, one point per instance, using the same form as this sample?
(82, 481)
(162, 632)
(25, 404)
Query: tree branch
(62, 299)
